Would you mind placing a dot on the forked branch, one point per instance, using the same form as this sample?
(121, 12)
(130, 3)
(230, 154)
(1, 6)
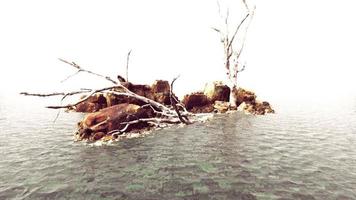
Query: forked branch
(80, 69)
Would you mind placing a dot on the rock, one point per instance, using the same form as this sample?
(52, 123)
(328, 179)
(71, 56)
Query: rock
(257, 108)
(217, 91)
(161, 92)
(203, 109)
(96, 125)
(222, 106)
(92, 104)
(262, 108)
(197, 102)
(142, 90)
(161, 86)
(98, 135)
(197, 99)
(242, 107)
(242, 95)
(163, 98)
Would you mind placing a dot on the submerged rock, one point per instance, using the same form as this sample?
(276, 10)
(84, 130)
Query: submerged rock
(217, 91)
(96, 125)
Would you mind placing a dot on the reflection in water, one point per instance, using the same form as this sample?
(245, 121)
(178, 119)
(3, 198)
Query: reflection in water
(307, 154)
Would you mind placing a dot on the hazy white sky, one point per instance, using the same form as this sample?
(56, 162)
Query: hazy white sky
(294, 48)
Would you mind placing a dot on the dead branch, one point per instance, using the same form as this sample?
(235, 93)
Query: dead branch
(184, 119)
(127, 65)
(237, 30)
(156, 120)
(55, 93)
(80, 69)
(82, 100)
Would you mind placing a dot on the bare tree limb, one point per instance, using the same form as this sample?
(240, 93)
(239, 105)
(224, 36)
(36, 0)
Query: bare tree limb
(55, 93)
(174, 101)
(82, 100)
(156, 120)
(237, 30)
(80, 69)
(127, 65)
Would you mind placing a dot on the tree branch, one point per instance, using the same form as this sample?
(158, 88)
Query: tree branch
(55, 93)
(80, 69)
(127, 65)
(183, 119)
(237, 30)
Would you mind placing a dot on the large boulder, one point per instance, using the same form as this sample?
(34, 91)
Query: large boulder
(96, 125)
(197, 103)
(217, 91)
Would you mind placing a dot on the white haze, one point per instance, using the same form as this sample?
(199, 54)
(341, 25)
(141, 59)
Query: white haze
(295, 49)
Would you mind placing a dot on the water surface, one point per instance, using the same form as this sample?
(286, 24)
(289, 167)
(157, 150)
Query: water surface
(299, 153)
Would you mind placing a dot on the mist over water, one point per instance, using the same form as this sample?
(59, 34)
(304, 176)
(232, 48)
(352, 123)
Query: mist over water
(305, 151)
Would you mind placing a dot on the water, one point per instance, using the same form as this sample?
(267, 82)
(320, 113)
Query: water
(299, 153)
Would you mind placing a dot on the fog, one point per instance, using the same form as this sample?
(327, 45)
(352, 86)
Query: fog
(294, 49)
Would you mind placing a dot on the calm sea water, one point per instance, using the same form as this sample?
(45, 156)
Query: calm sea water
(303, 152)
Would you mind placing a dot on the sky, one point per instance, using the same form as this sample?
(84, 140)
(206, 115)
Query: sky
(294, 49)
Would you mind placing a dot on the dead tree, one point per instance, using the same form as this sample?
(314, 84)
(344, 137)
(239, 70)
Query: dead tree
(232, 51)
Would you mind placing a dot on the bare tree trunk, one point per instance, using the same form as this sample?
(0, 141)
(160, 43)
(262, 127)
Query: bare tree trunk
(232, 53)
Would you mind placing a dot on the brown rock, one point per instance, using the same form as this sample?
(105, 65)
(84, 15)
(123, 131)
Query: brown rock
(161, 86)
(242, 95)
(142, 90)
(163, 98)
(257, 108)
(217, 91)
(92, 104)
(109, 119)
(197, 99)
(203, 109)
(161, 92)
(197, 102)
(222, 106)
(98, 136)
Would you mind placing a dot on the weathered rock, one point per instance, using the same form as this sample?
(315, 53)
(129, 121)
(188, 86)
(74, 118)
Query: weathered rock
(93, 104)
(222, 106)
(161, 86)
(96, 125)
(242, 95)
(163, 98)
(203, 109)
(197, 103)
(257, 108)
(142, 90)
(161, 92)
(217, 91)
